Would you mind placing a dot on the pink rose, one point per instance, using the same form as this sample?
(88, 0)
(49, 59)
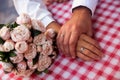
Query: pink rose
(7, 66)
(47, 48)
(21, 66)
(37, 25)
(21, 47)
(8, 45)
(5, 33)
(40, 39)
(20, 33)
(39, 49)
(24, 19)
(43, 62)
(31, 52)
(31, 65)
(18, 58)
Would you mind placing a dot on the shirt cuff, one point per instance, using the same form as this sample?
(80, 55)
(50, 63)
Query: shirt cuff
(47, 20)
(91, 4)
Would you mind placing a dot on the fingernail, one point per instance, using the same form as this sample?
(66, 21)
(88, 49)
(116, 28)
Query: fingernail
(73, 57)
(68, 55)
(98, 58)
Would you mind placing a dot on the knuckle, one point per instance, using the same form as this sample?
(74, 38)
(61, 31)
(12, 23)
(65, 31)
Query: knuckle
(92, 47)
(86, 59)
(86, 52)
(65, 43)
(71, 43)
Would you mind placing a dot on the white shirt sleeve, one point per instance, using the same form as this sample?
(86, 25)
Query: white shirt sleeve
(36, 9)
(91, 4)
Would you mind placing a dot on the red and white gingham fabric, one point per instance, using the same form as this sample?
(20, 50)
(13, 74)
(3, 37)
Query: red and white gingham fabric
(106, 25)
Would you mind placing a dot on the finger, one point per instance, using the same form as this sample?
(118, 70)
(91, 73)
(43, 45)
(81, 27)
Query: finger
(59, 1)
(60, 40)
(89, 40)
(72, 44)
(66, 43)
(83, 56)
(56, 0)
(89, 54)
(65, 0)
(90, 47)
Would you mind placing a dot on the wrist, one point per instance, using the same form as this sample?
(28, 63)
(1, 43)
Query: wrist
(81, 10)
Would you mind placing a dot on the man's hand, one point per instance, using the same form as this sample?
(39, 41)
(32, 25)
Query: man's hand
(70, 32)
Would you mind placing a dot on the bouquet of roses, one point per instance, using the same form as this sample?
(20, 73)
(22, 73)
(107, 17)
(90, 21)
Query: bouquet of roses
(26, 47)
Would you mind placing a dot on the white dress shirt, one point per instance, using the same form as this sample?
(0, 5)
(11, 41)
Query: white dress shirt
(36, 9)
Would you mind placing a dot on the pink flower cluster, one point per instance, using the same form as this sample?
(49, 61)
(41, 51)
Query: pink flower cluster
(32, 53)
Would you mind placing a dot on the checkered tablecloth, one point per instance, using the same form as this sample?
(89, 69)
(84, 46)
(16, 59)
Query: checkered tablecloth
(106, 25)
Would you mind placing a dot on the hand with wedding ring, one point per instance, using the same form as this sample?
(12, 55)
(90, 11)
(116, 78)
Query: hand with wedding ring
(88, 49)
(69, 34)
(72, 41)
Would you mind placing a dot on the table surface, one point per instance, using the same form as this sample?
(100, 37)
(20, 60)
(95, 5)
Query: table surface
(106, 25)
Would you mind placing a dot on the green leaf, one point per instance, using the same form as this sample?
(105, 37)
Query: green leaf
(35, 32)
(13, 25)
(6, 60)
(1, 41)
(35, 60)
(1, 25)
(1, 54)
(12, 54)
(37, 72)
(46, 71)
